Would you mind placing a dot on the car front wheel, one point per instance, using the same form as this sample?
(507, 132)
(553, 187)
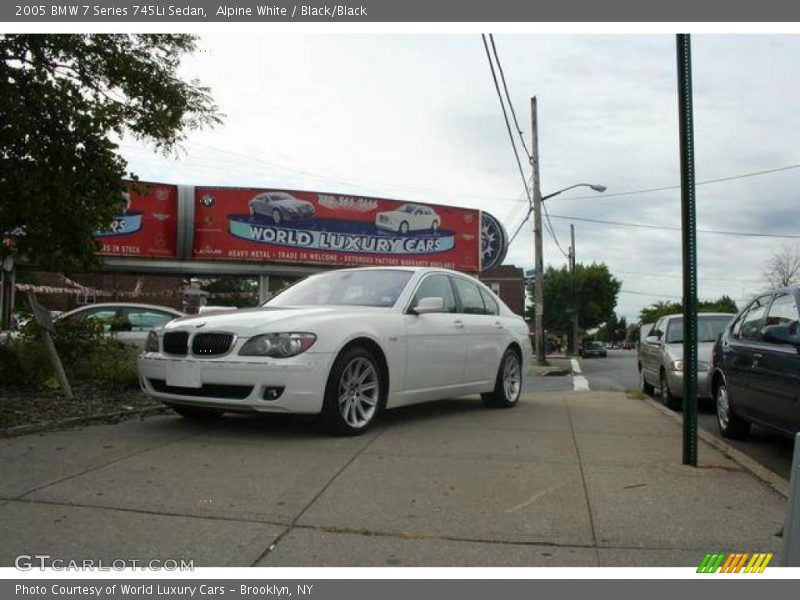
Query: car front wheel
(643, 385)
(508, 385)
(353, 394)
(730, 425)
(667, 397)
(403, 227)
(277, 217)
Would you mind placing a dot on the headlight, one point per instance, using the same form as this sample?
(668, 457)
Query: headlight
(278, 345)
(678, 365)
(151, 345)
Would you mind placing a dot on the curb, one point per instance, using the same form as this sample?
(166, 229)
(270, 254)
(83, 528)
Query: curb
(88, 420)
(759, 471)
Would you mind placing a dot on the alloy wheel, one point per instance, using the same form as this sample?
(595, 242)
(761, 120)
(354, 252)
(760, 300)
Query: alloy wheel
(512, 378)
(359, 392)
(723, 407)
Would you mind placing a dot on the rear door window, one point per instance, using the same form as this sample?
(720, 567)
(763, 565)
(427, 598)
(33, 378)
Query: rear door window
(470, 295)
(783, 310)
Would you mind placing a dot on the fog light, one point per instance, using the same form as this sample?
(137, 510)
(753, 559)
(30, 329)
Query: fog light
(272, 393)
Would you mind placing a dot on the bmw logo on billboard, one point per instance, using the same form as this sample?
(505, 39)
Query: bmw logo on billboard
(494, 242)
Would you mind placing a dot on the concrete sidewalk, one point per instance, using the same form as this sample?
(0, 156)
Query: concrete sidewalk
(563, 479)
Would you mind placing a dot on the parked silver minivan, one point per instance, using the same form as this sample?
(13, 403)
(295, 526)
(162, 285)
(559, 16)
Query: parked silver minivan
(661, 356)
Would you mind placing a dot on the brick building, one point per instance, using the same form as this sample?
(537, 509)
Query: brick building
(508, 282)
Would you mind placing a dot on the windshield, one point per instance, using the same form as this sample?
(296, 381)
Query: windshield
(708, 329)
(352, 288)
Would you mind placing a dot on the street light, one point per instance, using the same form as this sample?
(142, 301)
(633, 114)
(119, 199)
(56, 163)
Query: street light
(538, 295)
(594, 186)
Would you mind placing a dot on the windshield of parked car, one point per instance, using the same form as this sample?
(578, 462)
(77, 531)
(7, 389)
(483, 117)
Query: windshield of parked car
(708, 328)
(353, 288)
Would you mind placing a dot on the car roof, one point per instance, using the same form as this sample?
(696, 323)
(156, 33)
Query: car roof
(701, 314)
(121, 305)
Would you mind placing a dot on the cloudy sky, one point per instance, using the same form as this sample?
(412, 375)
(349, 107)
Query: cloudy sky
(417, 117)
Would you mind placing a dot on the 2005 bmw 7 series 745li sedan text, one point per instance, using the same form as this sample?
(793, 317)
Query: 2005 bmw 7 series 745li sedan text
(344, 344)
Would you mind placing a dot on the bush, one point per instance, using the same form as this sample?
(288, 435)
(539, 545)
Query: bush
(85, 350)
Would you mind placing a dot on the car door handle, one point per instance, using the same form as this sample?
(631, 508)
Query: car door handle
(498, 324)
(459, 324)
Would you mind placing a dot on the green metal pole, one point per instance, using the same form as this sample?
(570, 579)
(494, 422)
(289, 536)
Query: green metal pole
(689, 246)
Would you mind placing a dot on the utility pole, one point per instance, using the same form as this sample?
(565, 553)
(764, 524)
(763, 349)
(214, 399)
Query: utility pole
(538, 291)
(574, 290)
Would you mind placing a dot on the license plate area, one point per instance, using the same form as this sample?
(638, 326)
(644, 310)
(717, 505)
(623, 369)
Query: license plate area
(184, 375)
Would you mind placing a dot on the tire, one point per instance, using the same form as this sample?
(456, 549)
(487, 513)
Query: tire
(195, 412)
(730, 425)
(277, 217)
(435, 226)
(403, 227)
(508, 384)
(667, 397)
(354, 394)
(252, 211)
(643, 385)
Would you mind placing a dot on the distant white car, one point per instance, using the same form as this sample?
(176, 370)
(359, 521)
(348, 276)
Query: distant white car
(408, 217)
(130, 322)
(346, 344)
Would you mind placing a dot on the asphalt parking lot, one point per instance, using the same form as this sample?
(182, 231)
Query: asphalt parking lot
(563, 479)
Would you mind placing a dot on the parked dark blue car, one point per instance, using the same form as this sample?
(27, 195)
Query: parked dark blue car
(756, 366)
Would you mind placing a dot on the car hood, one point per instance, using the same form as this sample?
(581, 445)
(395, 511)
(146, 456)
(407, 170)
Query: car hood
(253, 321)
(704, 350)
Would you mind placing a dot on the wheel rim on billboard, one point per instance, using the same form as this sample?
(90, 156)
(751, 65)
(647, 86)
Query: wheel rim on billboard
(494, 242)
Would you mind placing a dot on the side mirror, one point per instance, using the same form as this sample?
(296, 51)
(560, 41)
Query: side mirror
(652, 339)
(429, 305)
(781, 334)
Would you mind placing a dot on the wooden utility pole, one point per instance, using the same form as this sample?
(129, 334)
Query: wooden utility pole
(575, 340)
(538, 292)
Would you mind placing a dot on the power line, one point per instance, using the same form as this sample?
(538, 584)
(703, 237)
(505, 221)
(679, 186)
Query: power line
(505, 117)
(677, 187)
(650, 295)
(552, 231)
(669, 276)
(668, 228)
(508, 98)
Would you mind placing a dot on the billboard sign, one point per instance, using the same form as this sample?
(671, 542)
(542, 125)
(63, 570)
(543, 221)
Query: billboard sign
(148, 227)
(249, 224)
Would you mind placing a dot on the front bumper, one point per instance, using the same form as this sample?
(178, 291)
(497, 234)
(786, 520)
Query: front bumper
(239, 383)
(675, 381)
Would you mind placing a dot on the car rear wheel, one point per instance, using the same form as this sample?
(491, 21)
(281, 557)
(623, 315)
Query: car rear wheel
(508, 384)
(435, 226)
(277, 217)
(353, 394)
(730, 425)
(667, 397)
(195, 412)
(643, 385)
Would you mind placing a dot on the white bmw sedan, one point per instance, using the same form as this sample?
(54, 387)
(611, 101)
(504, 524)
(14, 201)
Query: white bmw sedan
(344, 344)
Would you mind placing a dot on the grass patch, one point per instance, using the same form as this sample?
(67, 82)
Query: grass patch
(635, 394)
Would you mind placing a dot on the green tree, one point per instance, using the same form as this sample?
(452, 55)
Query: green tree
(654, 312)
(596, 293)
(614, 330)
(65, 101)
